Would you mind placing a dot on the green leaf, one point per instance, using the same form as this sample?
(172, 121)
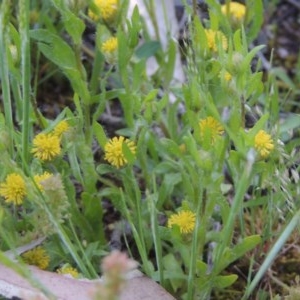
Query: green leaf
(61, 54)
(224, 281)
(254, 85)
(237, 41)
(138, 74)
(92, 210)
(55, 48)
(290, 123)
(74, 25)
(129, 155)
(224, 209)
(166, 189)
(173, 267)
(151, 96)
(164, 233)
(201, 268)
(170, 147)
(103, 169)
(134, 27)
(282, 75)
(199, 38)
(74, 164)
(247, 244)
(170, 64)
(165, 167)
(100, 134)
(247, 61)
(147, 50)
(124, 55)
(258, 125)
(254, 18)
(128, 101)
(110, 192)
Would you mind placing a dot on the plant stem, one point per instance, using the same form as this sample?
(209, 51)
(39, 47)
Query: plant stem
(139, 242)
(24, 7)
(235, 208)
(195, 8)
(152, 200)
(243, 113)
(4, 18)
(195, 243)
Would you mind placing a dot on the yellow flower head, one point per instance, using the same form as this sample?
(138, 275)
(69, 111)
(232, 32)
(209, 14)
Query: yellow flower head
(62, 127)
(214, 37)
(109, 49)
(13, 189)
(210, 127)
(263, 143)
(227, 76)
(110, 45)
(114, 151)
(68, 270)
(39, 178)
(184, 219)
(37, 257)
(107, 10)
(236, 11)
(46, 146)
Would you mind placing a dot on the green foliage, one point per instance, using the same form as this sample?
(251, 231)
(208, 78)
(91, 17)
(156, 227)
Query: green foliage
(204, 160)
(60, 53)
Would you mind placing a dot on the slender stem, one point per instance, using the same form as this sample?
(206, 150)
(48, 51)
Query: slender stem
(95, 77)
(155, 232)
(34, 92)
(235, 208)
(243, 113)
(79, 245)
(85, 96)
(151, 11)
(4, 18)
(17, 96)
(195, 8)
(136, 194)
(195, 243)
(24, 7)
(139, 243)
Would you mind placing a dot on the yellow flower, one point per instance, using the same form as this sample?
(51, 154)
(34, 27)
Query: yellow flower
(68, 270)
(13, 189)
(184, 219)
(210, 127)
(263, 143)
(109, 49)
(62, 127)
(107, 10)
(215, 37)
(110, 45)
(236, 11)
(227, 76)
(37, 257)
(40, 178)
(114, 151)
(46, 146)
